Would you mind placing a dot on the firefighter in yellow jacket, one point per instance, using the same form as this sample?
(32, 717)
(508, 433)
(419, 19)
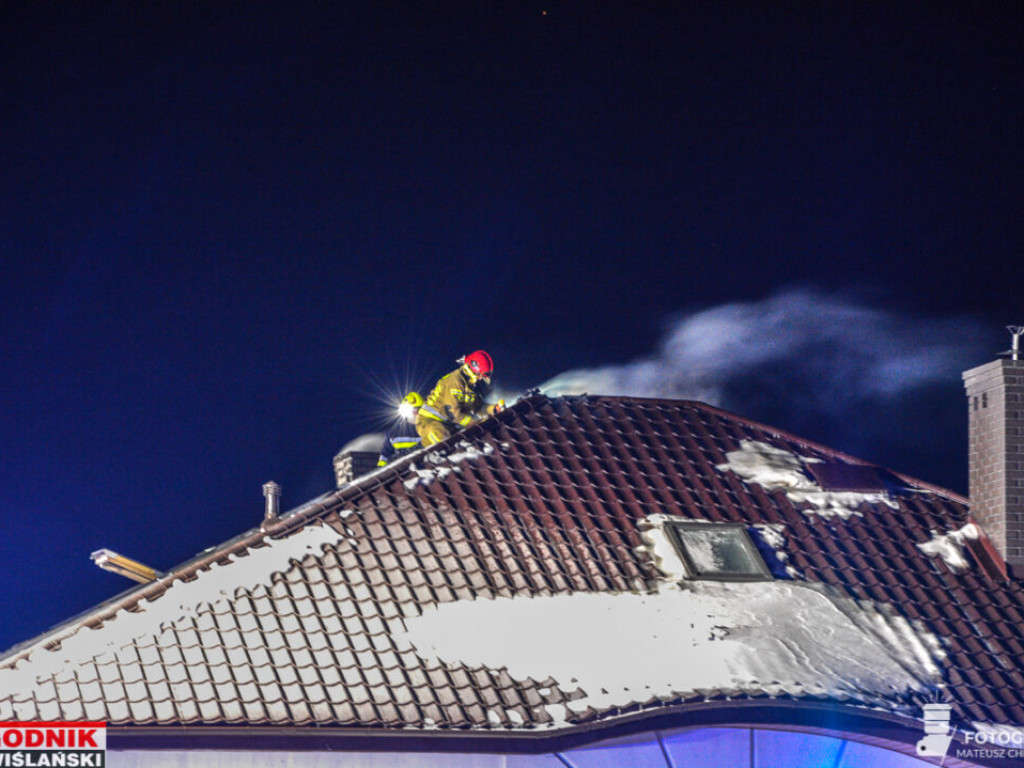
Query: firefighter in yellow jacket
(455, 401)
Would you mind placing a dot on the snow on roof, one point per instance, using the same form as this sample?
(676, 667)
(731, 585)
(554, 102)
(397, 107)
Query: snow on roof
(220, 583)
(950, 546)
(774, 535)
(702, 637)
(777, 469)
(445, 463)
(533, 556)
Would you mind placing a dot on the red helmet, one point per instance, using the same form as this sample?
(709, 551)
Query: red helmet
(480, 363)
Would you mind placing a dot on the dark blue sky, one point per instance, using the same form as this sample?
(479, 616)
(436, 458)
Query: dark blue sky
(224, 225)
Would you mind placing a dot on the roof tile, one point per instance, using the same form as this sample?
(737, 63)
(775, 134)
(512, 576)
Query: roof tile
(551, 506)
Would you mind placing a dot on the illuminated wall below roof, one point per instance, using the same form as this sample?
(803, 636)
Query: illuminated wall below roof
(696, 748)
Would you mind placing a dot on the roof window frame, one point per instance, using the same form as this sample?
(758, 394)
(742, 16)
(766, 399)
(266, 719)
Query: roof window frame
(676, 529)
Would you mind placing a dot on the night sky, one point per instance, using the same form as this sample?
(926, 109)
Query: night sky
(230, 232)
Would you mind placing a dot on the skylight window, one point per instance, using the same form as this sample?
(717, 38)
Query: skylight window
(716, 551)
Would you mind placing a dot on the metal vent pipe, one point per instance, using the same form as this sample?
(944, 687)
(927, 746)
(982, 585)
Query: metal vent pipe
(1015, 331)
(272, 493)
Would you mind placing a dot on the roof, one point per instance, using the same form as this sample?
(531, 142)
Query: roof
(385, 607)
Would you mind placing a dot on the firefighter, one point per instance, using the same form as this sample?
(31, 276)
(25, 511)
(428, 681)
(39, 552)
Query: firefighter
(456, 402)
(403, 438)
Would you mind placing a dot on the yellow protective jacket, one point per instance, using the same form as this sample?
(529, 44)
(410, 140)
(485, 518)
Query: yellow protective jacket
(455, 400)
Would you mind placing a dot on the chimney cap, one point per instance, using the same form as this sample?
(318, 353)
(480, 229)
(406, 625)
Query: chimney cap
(1016, 331)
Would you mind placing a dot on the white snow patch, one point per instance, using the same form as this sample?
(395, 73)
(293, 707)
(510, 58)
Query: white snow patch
(469, 452)
(950, 546)
(214, 586)
(770, 467)
(559, 713)
(703, 637)
(426, 476)
(774, 536)
(777, 469)
(663, 550)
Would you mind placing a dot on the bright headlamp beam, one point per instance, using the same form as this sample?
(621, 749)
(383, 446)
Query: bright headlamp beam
(406, 411)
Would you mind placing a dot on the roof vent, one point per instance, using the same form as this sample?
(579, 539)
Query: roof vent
(272, 494)
(119, 564)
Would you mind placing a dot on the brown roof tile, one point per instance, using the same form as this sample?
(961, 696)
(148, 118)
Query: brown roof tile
(546, 502)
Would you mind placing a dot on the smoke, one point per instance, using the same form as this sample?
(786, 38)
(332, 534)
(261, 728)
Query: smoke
(841, 349)
(371, 441)
(830, 367)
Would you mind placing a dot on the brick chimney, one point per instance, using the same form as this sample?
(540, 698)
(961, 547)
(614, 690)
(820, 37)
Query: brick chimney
(995, 402)
(348, 465)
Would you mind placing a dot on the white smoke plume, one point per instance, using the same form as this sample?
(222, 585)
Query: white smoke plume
(829, 349)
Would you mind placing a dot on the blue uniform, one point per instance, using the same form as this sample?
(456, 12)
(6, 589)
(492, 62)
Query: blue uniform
(399, 442)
